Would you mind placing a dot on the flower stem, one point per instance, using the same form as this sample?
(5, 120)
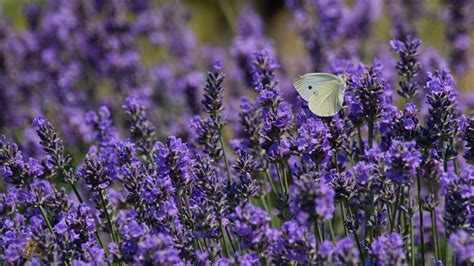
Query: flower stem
(317, 232)
(412, 237)
(343, 219)
(397, 206)
(76, 192)
(331, 231)
(227, 167)
(45, 217)
(361, 251)
(420, 212)
(434, 227)
(109, 220)
(361, 142)
(371, 130)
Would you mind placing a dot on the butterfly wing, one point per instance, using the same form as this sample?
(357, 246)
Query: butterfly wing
(326, 101)
(308, 84)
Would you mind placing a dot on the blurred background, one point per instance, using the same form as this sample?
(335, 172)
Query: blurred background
(63, 58)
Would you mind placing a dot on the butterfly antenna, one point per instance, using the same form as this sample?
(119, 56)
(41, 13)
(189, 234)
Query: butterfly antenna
(345, 68)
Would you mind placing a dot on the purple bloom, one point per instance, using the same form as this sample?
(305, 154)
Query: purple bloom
(462, 244)
(388, 250)
(173, 160)
(141, 129)
(408, 66)
(403, 160)
(94, 173)
(459, 195)
(346, 252)
(467, 127)
(296, 243)
(157, 249)
(312, 197)
(251, 225)
(312, 140)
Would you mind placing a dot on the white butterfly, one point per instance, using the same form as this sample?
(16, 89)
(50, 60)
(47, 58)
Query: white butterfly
(324, 92)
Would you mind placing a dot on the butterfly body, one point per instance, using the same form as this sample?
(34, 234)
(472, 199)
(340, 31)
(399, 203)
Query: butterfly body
(324, 92)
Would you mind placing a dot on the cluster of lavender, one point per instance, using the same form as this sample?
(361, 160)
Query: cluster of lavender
(171, 169)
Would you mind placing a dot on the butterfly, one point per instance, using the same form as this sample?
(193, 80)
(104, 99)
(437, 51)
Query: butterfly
(324, 92)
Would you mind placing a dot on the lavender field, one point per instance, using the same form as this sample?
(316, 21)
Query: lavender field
(142, 132)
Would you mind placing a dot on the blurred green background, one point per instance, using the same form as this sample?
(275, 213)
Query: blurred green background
(212, 21)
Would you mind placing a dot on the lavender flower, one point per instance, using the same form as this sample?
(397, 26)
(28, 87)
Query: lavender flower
(459, 194)
(276, 113)
(408, 66)
(463, 246)
(403, 160)
(141, 128)
(458, 34)
(296, 243)
(468, 131)
(442, 119)
(209, 130)
(53, 146)
(251, 225)
(312, 197)
(312, 140)
(173, 160)
(388, 250)
(93, 172)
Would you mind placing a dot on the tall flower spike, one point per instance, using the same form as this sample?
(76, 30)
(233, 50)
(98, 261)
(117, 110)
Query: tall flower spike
(408, 66)
(403, 160)
(209, 130)
(312, 197)
(458, 34)
(459, 193)
(442, 125)
(251, 225)
(53, 146)
(94, 173)
(141, 129)
(295, 243)
(462, 244)
(173, 160)
(388, 250)
(369, 92)
(275, 113)
(210, 199)
(102, 123)
(468, 132)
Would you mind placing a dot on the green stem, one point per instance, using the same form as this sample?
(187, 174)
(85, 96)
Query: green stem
(412, 237)
(317, 232)
(334, 158)
(76, 192)
(389, 210)
(221, 140)
(282, 185)
(272, 184)
(420, 213)
(434, 224)
(230, 239)
(361, 142)
(228, 14)
(331, 231)
(45, 218)
(445, 165)
(434, 231)
(343, 219)
(397, 206)
(109, 220)
(371, 130)
(361, 251)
